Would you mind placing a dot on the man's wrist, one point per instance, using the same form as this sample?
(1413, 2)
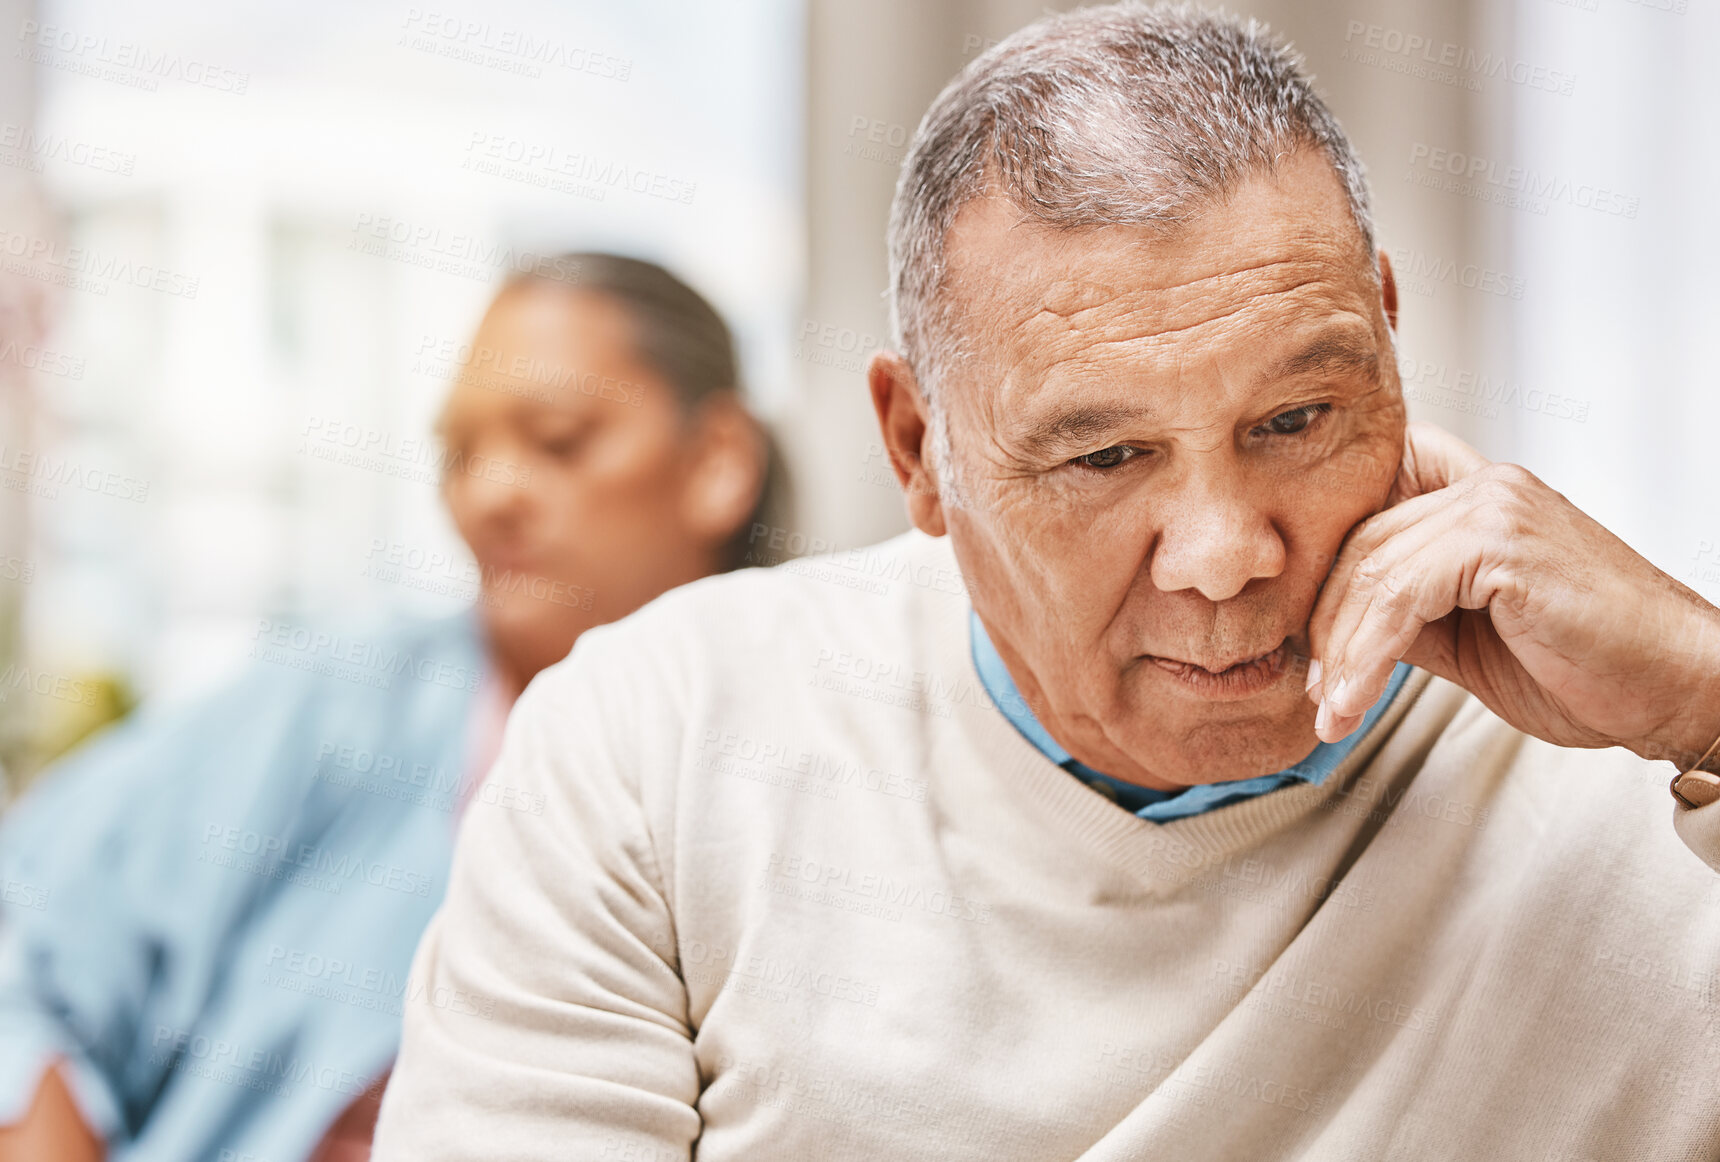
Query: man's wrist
(1706, 759)
(1697, 753)
(1697, 746)
(1710, 761)
(1694, 740)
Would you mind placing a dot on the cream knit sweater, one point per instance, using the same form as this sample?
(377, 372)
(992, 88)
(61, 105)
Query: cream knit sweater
(799, 891)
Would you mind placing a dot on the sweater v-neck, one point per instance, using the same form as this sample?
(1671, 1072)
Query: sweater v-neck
(1115, 834)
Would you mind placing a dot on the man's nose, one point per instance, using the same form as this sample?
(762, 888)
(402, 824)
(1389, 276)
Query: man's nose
(1215, 540)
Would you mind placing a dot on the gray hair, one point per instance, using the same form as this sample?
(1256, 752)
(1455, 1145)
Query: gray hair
(1128, 114)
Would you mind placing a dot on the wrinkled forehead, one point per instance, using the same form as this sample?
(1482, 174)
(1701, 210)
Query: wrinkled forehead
(1278, 256)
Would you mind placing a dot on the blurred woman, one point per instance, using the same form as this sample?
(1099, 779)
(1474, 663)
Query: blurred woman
(226, 897)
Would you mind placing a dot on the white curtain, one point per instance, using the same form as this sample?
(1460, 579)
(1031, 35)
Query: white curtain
(1622, 311)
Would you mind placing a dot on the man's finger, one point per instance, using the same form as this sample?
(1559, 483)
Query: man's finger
(1331, 728)
(1382, 540)
(1423, 588)
(1433, 650)
(1432, 459)
(1389, 612)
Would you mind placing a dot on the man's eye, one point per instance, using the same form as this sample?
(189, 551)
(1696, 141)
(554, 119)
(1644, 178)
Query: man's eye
(1106, 458)
(1295, 420)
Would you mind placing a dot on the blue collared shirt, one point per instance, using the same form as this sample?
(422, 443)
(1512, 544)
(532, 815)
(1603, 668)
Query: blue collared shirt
(1160, 806)
(212, 908)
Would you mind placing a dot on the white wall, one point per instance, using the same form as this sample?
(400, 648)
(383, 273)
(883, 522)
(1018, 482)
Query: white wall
(271, 157)
(1624, 309)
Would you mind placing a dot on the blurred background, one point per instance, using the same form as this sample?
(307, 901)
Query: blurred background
(242, 245)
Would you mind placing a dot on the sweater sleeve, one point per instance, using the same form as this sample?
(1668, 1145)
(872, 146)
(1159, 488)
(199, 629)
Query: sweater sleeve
(1699, 828)
(546, 1018)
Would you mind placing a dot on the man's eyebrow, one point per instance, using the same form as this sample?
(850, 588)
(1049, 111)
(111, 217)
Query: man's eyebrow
(1330, 353)
(1077, 426)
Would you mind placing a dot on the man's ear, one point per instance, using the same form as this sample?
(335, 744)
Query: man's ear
(903, 420)
(1388, 290)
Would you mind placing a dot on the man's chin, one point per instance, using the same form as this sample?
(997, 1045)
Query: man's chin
(1223, 745)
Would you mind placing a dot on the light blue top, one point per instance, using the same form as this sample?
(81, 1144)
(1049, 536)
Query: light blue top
(209, 912)
(1160, 806)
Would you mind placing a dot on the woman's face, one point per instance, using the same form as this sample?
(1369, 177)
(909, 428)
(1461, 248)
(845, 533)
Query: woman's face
(573, 473)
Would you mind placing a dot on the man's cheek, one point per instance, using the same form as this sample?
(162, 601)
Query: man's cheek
(1295, 594)
(1355, 474)
(1042, 578)
(1316, 535)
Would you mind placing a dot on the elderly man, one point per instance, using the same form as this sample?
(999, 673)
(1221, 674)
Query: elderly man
(1219, 771)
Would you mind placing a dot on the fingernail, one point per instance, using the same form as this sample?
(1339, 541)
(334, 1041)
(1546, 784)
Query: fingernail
(1339, 691)
(1313, 674)
(1346, 725)
(1323, 717)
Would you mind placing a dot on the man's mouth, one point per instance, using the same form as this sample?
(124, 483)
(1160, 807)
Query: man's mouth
(1227, 678)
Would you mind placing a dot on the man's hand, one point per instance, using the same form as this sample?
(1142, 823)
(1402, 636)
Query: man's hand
(1483, 575)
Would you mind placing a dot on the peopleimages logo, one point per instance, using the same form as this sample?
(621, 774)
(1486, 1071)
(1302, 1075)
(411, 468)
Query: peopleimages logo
(44, 474)
(41, 360)
(1447, 62)
(501, 371)
(584, 174)
(367, 663)
(122, 61)
(262, 1068)
(275, 856)
(436, 247)
(1518, 187)
(46, 259)
(1418, 271)
(514, 50)
(25, 148)
(456, 575)
(418, 458)
(344, 982)
(1488, 393)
